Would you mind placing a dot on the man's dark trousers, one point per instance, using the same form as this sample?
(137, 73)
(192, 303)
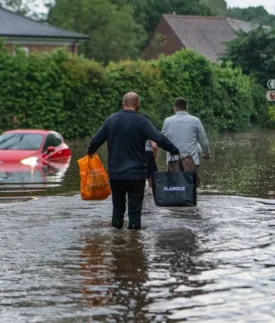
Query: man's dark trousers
(135, 191)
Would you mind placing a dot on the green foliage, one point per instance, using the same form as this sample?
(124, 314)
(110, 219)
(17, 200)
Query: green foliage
(50, 91)
(254, 52)
(150, 12)
(74, 95)
(223, 97)
(218, 7)
(118, 29)
(240, 100)
(23, 7)
(113, 33)
(271, 114)
(141, 77)
(256, 15)
(188, 74)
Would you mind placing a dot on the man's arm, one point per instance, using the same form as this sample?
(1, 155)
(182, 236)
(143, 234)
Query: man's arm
(97, 140)
(203, 140)
(154, 148)
(151, 133)
(164, 127)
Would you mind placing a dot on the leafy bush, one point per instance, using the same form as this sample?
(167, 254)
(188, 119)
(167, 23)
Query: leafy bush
(74, 95)
(271, 115)
(254, 53)
(224, 98)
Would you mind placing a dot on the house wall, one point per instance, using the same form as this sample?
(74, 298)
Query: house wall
(168, 45)
(39, 48)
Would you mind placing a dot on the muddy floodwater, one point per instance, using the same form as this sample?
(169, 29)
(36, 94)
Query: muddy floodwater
(62, 262)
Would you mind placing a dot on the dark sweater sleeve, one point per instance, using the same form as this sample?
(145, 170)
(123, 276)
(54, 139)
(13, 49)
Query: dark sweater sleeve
(151, 133)
(97, 140)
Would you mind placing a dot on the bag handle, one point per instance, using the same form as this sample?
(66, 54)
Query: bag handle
(172, 159)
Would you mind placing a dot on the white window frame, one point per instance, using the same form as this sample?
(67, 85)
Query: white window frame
(25, 49)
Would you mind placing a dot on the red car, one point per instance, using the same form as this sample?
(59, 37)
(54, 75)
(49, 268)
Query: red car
(33, 147)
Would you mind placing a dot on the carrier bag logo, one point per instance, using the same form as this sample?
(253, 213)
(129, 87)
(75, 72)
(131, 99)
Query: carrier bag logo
(174, 189)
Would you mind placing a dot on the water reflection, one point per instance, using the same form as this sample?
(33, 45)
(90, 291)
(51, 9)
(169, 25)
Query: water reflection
(177, 249)
(95, 292)
(241, 164)
(174, 265)
(114, 272)
(129, 271)
(62, 262)
(17, 179)
(213, 264)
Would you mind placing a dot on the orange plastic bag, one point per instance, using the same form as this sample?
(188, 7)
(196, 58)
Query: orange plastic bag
(94, 183)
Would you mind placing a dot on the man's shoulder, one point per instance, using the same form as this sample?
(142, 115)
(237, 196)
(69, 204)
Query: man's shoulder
(191, 117)
(176, 117)
(117, 116)
(170, 119)
(111, 117)
(188, 118)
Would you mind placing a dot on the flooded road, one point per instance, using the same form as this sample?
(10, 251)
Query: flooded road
(62, 262)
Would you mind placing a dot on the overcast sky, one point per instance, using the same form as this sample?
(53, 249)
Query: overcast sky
(268, 4)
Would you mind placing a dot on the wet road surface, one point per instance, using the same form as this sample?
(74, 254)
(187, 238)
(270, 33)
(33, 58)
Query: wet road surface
(62, 262)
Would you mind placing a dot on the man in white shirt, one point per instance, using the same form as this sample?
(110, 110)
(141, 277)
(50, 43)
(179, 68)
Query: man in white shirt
(186, 132)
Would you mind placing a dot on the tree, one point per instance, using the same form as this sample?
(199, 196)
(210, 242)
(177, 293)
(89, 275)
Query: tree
(252, 14)
(23, 7)
(118, 29)
(114, 34)
(254, 52)
(150, 12)
(218, 7)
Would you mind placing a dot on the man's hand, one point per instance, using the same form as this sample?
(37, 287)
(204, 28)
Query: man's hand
(175, 153)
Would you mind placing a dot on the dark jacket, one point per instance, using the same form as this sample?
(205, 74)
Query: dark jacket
(126, 133)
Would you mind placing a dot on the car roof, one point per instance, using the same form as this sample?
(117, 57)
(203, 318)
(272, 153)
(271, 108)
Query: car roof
(31, 131)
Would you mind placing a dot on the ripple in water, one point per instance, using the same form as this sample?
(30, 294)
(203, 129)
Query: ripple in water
(20, 182)
(64, 263)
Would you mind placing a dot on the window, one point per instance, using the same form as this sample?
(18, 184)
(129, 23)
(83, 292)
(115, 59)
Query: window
(58, 140)
(20, 141)
(52, 140)
(25, 49)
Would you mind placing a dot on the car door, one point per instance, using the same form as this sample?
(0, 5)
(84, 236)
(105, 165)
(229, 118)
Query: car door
(63, 151)
(50, 142)
(58, 140)
(55, 140)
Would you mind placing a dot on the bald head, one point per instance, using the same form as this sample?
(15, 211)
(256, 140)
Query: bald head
(131, 101)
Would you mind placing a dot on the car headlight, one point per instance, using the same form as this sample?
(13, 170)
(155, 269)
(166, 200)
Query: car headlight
(31, 161)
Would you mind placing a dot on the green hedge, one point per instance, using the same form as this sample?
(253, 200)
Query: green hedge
(74, 95)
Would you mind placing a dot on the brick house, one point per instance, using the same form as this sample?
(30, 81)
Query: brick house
(206, 35)
(34, 36)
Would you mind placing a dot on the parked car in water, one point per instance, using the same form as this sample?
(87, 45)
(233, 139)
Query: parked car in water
(33, 147)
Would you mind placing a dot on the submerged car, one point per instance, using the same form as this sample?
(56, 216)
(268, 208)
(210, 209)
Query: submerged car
(33, 147)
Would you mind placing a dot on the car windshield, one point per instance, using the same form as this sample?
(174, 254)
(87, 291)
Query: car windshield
(20, 141)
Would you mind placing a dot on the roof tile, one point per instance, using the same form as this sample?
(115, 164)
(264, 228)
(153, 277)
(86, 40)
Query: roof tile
(15, 25)
(206, 34)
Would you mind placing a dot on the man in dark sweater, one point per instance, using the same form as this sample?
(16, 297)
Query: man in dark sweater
(126, 133)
